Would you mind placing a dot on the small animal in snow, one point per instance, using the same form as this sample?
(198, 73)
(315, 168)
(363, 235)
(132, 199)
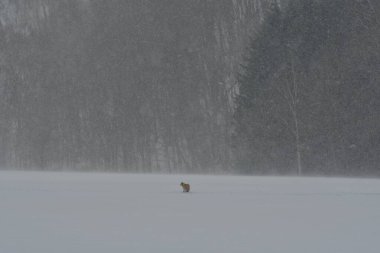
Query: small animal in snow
(185, 187)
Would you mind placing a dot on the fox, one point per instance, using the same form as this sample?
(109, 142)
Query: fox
(185, 187)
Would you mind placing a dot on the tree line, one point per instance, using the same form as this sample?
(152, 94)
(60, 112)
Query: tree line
(309, 91)
(247, 86)
(137, 85)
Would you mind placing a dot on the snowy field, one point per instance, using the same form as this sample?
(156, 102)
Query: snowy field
(45, 212)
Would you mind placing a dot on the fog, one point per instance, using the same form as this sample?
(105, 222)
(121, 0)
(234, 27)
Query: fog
(216, 86)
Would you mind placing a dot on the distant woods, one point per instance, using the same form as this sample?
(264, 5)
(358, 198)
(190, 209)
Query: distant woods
(309, 100)
(137, 85)
(246, 86)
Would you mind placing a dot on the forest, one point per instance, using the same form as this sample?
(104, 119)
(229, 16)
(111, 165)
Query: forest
(216, 86)
(309, 91)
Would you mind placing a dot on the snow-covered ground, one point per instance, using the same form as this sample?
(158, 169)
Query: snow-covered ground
(94, 212)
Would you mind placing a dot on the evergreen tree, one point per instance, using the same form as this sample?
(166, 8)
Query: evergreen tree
(307, 91)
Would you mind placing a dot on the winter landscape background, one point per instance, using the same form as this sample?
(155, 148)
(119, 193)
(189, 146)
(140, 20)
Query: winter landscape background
(255, 103)
(246, 86)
